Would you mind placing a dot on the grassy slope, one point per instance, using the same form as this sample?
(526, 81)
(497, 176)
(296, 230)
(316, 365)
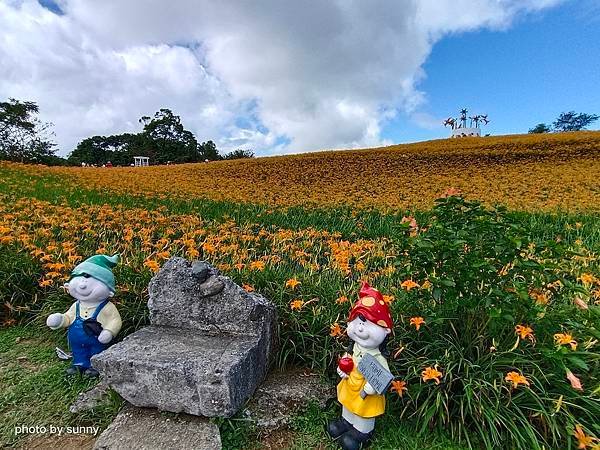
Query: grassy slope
(556, 171)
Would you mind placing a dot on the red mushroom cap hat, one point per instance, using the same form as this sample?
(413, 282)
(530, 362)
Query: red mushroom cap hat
(372, 305)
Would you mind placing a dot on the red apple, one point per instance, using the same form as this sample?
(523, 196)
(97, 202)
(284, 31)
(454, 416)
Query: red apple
(346, 364)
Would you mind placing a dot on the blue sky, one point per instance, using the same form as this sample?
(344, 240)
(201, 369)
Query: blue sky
(540, 66)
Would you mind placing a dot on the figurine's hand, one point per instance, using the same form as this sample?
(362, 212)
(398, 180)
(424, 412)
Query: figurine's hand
(341, 373)
(55, 320)
(105, 337)
(369, 389)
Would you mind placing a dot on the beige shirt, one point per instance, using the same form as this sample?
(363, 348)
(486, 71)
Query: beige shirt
(358, 351)
(109, 316)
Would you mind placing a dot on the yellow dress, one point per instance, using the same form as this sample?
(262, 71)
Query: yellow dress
(348, 390)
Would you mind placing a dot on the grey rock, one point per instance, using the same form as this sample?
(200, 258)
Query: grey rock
(144, 429)
(285, 394)
(200, 271)
(206, 351)
(91, 398)
(178, 299)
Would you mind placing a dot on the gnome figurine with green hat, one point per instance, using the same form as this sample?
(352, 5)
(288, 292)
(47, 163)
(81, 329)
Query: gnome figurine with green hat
(92, 321)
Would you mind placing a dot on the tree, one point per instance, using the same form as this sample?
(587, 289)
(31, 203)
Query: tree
(540, 128)
(170, 140)
(571, 121)
(208, 151)
(119, 149)
(239, 154)
(23, 137)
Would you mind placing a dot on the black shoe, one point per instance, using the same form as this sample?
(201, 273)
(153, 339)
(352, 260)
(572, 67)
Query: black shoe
(91, 372)
(355, 440)
(73, 370)
(338, 427)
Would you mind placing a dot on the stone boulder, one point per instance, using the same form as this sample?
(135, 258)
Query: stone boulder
(206, 350)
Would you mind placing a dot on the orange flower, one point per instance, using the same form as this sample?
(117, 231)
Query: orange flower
(399, 387)
(336, 330)
(565, 339)
(163, 255)
(431, 374)
(587, 278)
(409, 284)
(525, 332)
(152, 265)
(292, 282)
(388, 299)
(342, 299)
(516, 378)
(296, 305)
(541, 298)
(248, 288)
(257, 265)
(192, 253)
(46, 283)
(208, 248)
(417, 322)
(583, 440)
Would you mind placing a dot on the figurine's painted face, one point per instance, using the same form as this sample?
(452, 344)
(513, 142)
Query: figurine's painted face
(88, 290)
(366, 333)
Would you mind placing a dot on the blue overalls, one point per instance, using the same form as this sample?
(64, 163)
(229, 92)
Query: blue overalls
(83, 345)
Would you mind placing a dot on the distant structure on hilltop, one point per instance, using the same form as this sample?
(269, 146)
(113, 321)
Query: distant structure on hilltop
(141, 161)
(459, 125)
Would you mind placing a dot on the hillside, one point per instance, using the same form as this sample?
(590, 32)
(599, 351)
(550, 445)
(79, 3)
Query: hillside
(541, 172)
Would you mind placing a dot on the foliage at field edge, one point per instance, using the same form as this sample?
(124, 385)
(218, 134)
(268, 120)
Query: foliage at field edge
(546, 172)
(463, 287)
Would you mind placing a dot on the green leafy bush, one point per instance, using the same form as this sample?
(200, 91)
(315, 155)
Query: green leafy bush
(493, 299)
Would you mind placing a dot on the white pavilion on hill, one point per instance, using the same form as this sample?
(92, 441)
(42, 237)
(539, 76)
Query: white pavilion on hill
(141, 161)
(459, 125)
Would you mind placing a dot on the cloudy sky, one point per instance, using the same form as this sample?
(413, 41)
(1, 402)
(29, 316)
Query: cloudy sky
(282, 77)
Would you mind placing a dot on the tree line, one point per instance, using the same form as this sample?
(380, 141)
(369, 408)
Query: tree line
(163, 139)
(567, 121)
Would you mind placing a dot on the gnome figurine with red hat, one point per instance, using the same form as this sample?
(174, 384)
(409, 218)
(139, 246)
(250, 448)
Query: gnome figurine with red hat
(92, 321)
(369, 325)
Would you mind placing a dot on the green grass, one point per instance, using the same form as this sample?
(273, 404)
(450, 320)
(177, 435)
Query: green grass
(34, 389)
(307, 432)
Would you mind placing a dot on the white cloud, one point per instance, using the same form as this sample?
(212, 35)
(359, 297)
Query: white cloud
(269, 75)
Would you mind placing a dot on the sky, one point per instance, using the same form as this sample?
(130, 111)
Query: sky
(287, 77)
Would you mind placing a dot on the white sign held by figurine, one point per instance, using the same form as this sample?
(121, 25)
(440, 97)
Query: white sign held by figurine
(376, 375)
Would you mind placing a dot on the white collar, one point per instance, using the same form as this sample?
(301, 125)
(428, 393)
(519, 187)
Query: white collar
(359, 350)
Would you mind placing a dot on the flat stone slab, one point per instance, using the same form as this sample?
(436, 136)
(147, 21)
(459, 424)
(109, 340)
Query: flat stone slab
(285, 394)
(185, 370)
(146, 429)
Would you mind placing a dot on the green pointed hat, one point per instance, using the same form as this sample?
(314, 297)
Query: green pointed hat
(98, 267)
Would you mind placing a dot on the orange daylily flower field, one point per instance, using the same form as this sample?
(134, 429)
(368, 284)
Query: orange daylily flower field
(525, 172)
(496, 310)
